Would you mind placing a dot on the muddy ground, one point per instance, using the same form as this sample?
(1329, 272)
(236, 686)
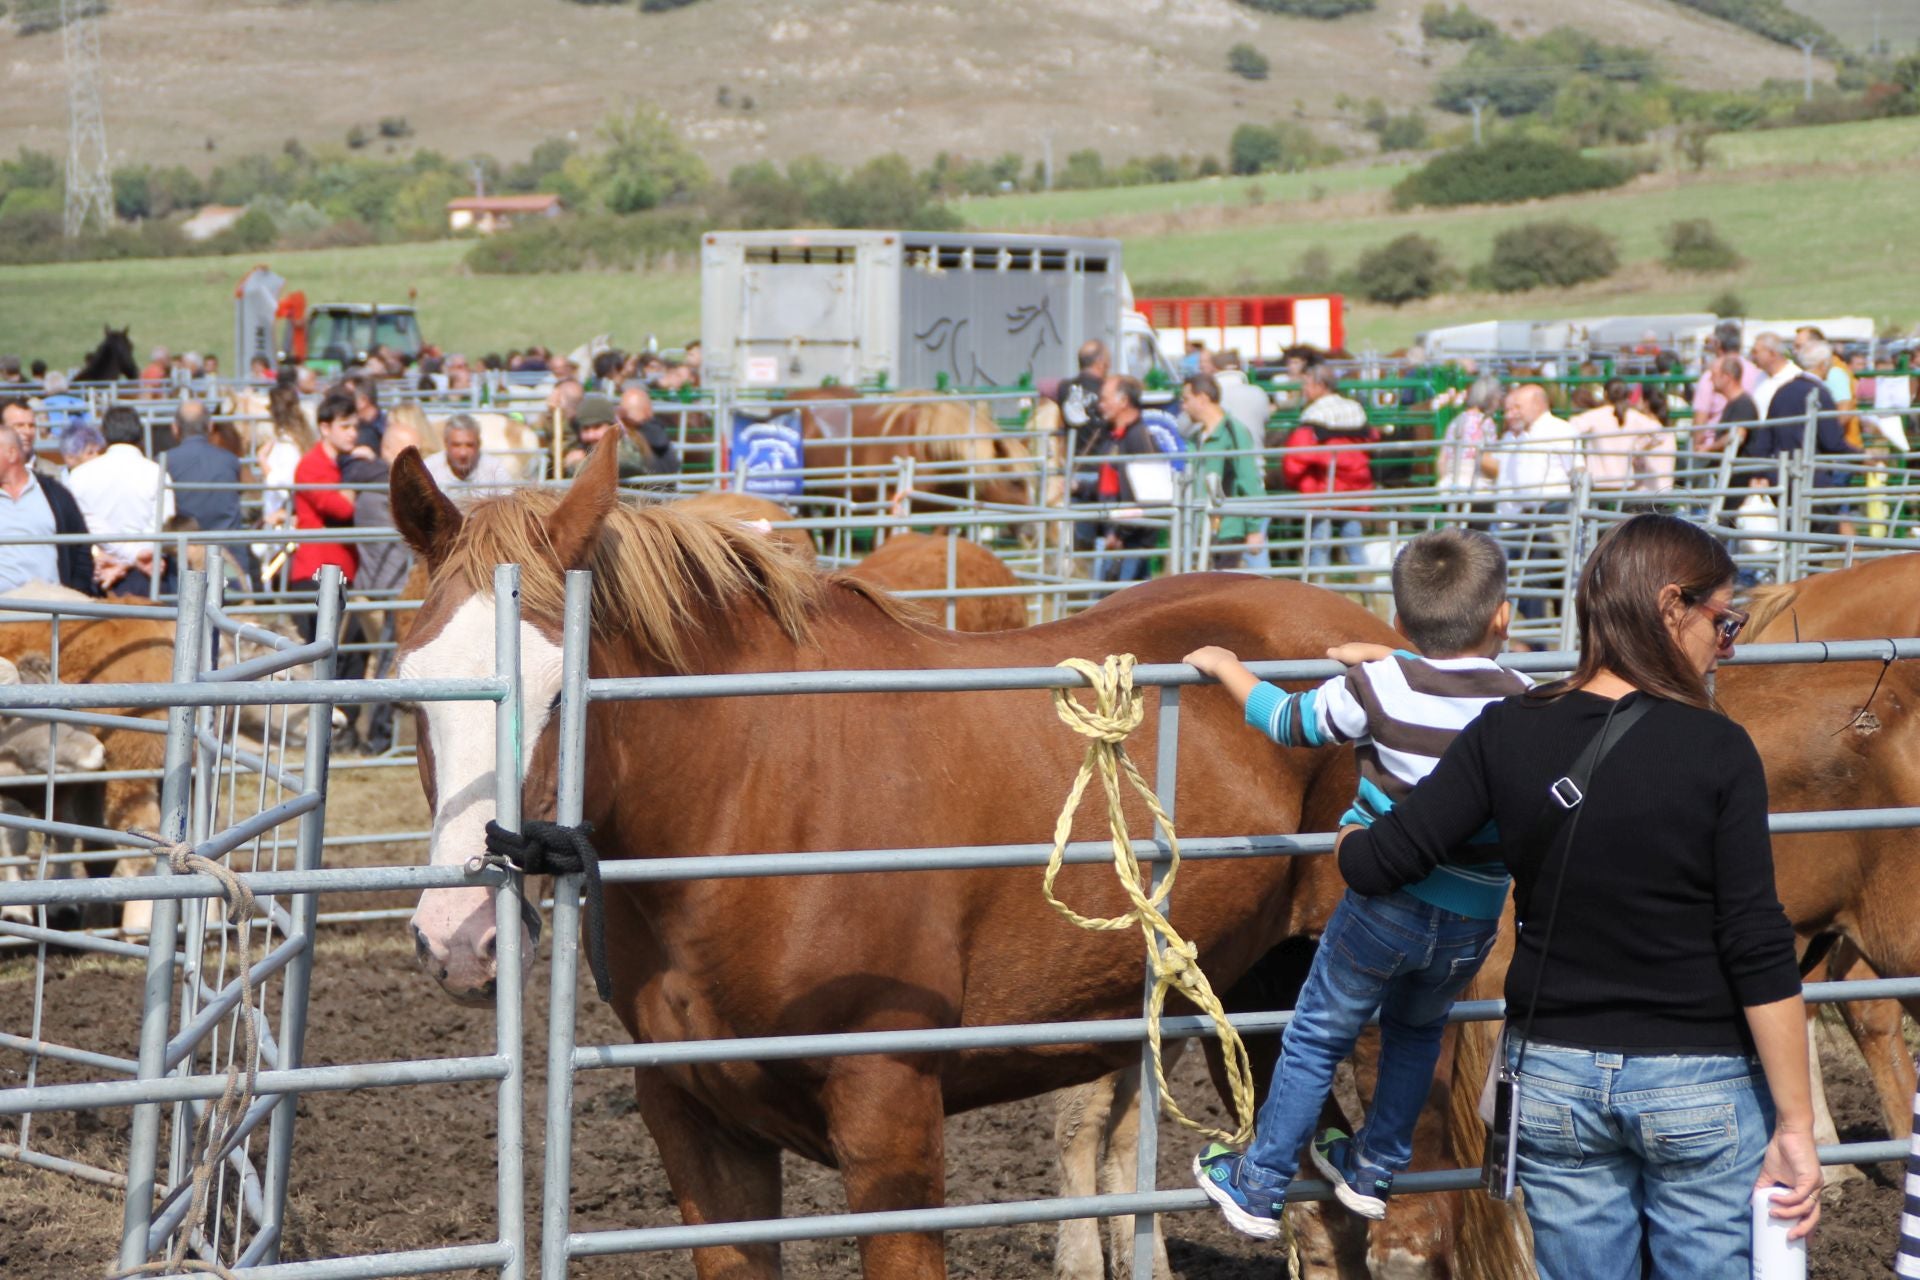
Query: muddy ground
(390, 1169)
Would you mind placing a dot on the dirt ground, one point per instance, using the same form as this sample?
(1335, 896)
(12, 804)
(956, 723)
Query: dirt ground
(410, 1168)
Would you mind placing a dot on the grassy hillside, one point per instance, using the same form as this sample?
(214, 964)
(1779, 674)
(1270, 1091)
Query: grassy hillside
(1823, 217)
(1855, 21)
(198, 81)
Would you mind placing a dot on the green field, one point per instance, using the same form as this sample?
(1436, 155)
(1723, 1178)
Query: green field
(1823, 217)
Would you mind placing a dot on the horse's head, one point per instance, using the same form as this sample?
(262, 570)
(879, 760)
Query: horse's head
(113, 358)
(453, 635)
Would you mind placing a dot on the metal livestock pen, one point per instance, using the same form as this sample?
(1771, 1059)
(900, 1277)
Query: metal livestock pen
(177, 1070)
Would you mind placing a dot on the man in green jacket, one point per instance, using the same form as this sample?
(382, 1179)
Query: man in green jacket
(1224, 446)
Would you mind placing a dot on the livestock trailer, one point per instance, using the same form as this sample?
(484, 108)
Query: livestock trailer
(909, 309)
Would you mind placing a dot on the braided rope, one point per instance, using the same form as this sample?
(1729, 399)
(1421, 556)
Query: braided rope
(221, 1125)
(1116, 713)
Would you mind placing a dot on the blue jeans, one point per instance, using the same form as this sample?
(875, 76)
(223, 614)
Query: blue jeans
(1321, 530)
(1616, 1147)
(1394, 955)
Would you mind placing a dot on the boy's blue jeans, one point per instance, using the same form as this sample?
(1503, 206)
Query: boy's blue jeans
(1398, 956)
(1615, 1146)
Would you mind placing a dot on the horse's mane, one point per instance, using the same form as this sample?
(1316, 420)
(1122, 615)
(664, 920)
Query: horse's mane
(659, 574)
(1764, 604)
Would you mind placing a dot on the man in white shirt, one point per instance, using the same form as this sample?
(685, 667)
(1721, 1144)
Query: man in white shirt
(1770, 353)
(121, 494)
(1532, 471)
(461, 469)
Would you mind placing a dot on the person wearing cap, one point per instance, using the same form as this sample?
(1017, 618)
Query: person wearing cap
(597, 416)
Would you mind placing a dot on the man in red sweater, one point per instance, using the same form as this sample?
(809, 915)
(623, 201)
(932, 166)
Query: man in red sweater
(1327, 454)
(324, 508)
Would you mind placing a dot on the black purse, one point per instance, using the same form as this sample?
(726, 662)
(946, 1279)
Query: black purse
(1498, 1165)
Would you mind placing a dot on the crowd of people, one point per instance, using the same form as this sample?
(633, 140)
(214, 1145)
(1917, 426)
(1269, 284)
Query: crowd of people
(1509, 451)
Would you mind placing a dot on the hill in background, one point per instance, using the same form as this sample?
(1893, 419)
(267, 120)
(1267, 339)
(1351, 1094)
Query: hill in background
(201, 81)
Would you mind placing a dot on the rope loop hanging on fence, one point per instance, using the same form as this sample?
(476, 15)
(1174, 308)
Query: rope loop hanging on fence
(221, 1127)
(1116, 712)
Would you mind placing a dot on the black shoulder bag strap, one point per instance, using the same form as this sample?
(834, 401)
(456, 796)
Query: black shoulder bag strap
(1569, 793)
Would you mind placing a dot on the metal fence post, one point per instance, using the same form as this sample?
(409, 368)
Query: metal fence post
(511, 1140)
(143, 1143)
(303, 908)
(1147, 1157)
(556, 1191)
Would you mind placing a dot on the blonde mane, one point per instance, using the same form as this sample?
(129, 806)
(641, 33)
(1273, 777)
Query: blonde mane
(1765, 604)
(659, 574)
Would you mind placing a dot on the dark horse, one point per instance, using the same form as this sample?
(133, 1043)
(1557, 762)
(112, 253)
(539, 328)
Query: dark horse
(111, 361)
(679, 592)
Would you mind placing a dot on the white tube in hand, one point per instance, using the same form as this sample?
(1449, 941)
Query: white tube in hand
(1774, 1256)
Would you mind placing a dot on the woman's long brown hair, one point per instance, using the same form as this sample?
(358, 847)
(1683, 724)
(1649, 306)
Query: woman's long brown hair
(1622, 629)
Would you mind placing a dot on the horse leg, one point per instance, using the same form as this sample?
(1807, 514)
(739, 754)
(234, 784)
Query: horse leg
(887, 1125)
(1120, 1168)
(1079, 1117)
(1824, 1133)
(717, 1175)
(1877, 1027)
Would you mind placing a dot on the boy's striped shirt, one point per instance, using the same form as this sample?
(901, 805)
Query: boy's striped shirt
(1401, 713)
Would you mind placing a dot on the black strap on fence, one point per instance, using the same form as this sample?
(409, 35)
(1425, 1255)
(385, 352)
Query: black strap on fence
(551, 849)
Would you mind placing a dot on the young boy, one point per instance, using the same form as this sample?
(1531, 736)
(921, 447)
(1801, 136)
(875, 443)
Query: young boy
(1406, 955)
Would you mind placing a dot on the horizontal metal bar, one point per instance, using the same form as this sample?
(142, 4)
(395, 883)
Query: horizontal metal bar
(92, 720)
(278, 692)
(269, 663)
(57, 1164)
(378, 1266)
(1021, 1212)
(100, 1094)
(69, 940)
(263, 883)
(1030, 1035)
(65, 1053)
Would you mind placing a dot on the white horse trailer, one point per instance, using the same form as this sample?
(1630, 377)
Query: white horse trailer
(797, 308)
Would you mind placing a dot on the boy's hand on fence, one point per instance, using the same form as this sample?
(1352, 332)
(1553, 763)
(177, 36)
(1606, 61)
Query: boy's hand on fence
(1356, 652)
(1212, 660)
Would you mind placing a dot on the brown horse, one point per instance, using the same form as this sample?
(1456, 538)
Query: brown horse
(986, 465)
(1819, 754)
(918, 562)
(761, 513)
(1874, 599)
(679, 593)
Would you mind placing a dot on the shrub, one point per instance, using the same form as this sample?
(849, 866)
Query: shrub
(1438, 22)
(1537, 254)
(1310, 8)
(357, 137)
(1769, 18)
(1313, 272)
(1520, 77)
(1247, 62)
(1399, 133)
(1284, 148)
(1728, 305)
(395, 127)
(1693, 244)
(1402, 270)
(1505, 171)
(662, 6)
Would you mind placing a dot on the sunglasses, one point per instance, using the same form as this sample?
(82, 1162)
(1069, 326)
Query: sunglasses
(1726, 622)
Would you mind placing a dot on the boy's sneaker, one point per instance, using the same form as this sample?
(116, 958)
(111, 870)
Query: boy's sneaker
(1364, 1192)
(1217, 1171)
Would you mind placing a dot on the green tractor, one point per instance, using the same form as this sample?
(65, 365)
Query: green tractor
(338, 334)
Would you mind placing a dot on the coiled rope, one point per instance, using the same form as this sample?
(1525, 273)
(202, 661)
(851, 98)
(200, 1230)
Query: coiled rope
(220, 1129)
(1116, 712)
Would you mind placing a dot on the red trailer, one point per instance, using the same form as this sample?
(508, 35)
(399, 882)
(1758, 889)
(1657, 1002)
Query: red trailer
(1259, 328)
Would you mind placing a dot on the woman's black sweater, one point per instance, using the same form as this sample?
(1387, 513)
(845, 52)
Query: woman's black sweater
(1669, 924)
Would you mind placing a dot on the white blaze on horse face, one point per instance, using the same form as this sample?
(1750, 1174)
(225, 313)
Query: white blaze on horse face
(454, 928)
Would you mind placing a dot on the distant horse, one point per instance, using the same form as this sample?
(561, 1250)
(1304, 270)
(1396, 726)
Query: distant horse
(744, 957)
(986, 465)
(918, 562)
(111, 361)
(763, 514)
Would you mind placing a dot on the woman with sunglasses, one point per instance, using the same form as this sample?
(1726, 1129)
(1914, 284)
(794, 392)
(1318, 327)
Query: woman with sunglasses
(1653, 985)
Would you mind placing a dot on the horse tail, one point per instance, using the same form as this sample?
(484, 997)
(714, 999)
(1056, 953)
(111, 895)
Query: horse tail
(1492, 1242)
(1766, 604)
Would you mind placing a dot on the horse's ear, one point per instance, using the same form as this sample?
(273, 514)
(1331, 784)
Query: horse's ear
(425, 517)
(574, 527)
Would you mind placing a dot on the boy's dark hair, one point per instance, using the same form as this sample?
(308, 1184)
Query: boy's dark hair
(1447, 585)
(336, 405)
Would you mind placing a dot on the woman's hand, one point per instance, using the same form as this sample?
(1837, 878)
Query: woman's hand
(1792, 1162)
